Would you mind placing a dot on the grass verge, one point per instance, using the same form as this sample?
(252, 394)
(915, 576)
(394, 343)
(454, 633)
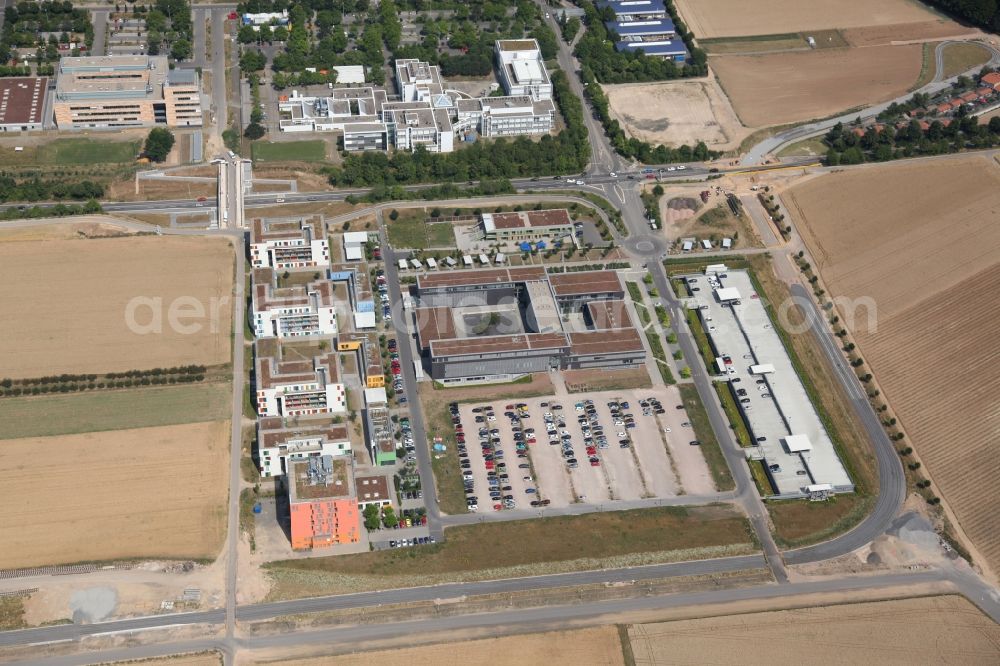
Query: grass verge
(798, 523)
(661, 359)
(701, 339)
(12, 613)
(289, 151)
(710, 447)
(928, 67)
(50, 415)
(761, 479)
(807, 147)
(476, 552)
(736, 421)
(248, 497)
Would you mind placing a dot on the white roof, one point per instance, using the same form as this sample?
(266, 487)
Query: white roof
(402, 264)
(715, 268)
(364, 320)
(688, 245)
(727, 294)
(500, 258)
(527, 71)
(353, 253)
(484, 259)
(451, 261)
(375, 396)
(431, 262)
(796, 443)
(727, 242)
(761, 369)
(355, 238)
(467, 260)
(350, 73)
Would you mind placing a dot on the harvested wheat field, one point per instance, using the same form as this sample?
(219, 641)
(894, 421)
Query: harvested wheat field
(677, 113)
(939, 29)
(784, 88)
(599, 646)
(150, 492)
(928, 630)
(919, 240)
(734, 18)
(76, 294)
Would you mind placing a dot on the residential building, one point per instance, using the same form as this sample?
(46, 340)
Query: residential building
(645, 25)
(522, 69)
(354, 245)
(22, 103)
(526, 225)
(289, 244)
(277, 445)
(299, 311)
(298, 388)
(104, 92)
(322, 502)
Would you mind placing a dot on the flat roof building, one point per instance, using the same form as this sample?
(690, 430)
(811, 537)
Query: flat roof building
(635, 10)
(277, 445)
(299, 311)
(289, 244)
(372, 490)
(322, 502)
(637, 31)
(103, 92)
(298, 388)
(22, 103)
(522, 68)
(672, 49)
(526, 225)
(500, 324)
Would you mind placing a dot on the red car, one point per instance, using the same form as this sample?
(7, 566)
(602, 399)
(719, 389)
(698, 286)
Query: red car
(397, 372)
(489, 464)
(531, 440)
(591, 451)
(595, 463)
(498, 507)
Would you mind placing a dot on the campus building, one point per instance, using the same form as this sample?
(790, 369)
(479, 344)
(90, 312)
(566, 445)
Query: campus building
(104, 92)
(298, 388)
(373, 490)
(342, 108)
(379, 428)
(521, 69)
(644, 25)
(289, 244)
(322, 502)
(22, 103)
(278, 446)
(505, 116)
(299, 311)
(501, 324)
(526, 225)
(635, 10)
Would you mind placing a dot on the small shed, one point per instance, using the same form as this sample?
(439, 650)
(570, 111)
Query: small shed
(467, 261)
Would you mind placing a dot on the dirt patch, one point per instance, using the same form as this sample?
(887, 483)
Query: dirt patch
(677, 113)
(908, 32)
(97, 226)
(605, 380)
(733, 18)
(599, 645)
(925, 263)
(94, 284)
(200, 659)
(793, 87)
(928, 630)
(152, 492)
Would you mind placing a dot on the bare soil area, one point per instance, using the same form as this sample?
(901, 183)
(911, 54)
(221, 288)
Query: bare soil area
(72, 300)
(915, 242)
(936, 30)
(782, 88)
(676, 113)
(598, 646)
(733, 18)
(151, 492)
(928, 630)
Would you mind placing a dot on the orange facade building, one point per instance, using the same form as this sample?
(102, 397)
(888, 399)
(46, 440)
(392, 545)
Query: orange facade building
(322, 502)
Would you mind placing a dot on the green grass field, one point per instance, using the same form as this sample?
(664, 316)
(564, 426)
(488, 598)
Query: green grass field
(96, 411)
(289, 151)
(72, 151)
(412, 230)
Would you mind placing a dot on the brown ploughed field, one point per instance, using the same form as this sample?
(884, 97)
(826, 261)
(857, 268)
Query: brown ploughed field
(735, 18)
(918, 239)
(144, 493)
(69, 299)
(793, 87)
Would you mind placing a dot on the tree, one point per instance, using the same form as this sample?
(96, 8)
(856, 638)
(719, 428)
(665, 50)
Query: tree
(254, 131)
(372, 518)
(181, 50)
(389, 518)
(158, 144)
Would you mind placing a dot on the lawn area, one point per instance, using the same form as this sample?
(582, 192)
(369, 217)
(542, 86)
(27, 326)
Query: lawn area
(12, 613)
(798, 523)
(97, 411)
(806, 147)
(760, 478)
(710, 447)
(736, 421)
(414, 230)
(661, 358)
(513, 548)
(447, 473)
(72, 151)
(962, 57)
(701, 339)
(289, 151)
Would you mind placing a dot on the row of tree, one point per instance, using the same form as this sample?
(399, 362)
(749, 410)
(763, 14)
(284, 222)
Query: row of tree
(37, 189)
(985, 13)
(75, 387)
(911, 140)
(89, 378)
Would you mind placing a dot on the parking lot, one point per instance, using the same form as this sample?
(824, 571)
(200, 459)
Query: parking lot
(586, 448)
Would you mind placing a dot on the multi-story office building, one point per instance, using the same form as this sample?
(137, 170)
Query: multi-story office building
(521, 68)
(104, 92)
(299, 311)
(289, 244)
(322, 502)
(298, 388)
(279, 446)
